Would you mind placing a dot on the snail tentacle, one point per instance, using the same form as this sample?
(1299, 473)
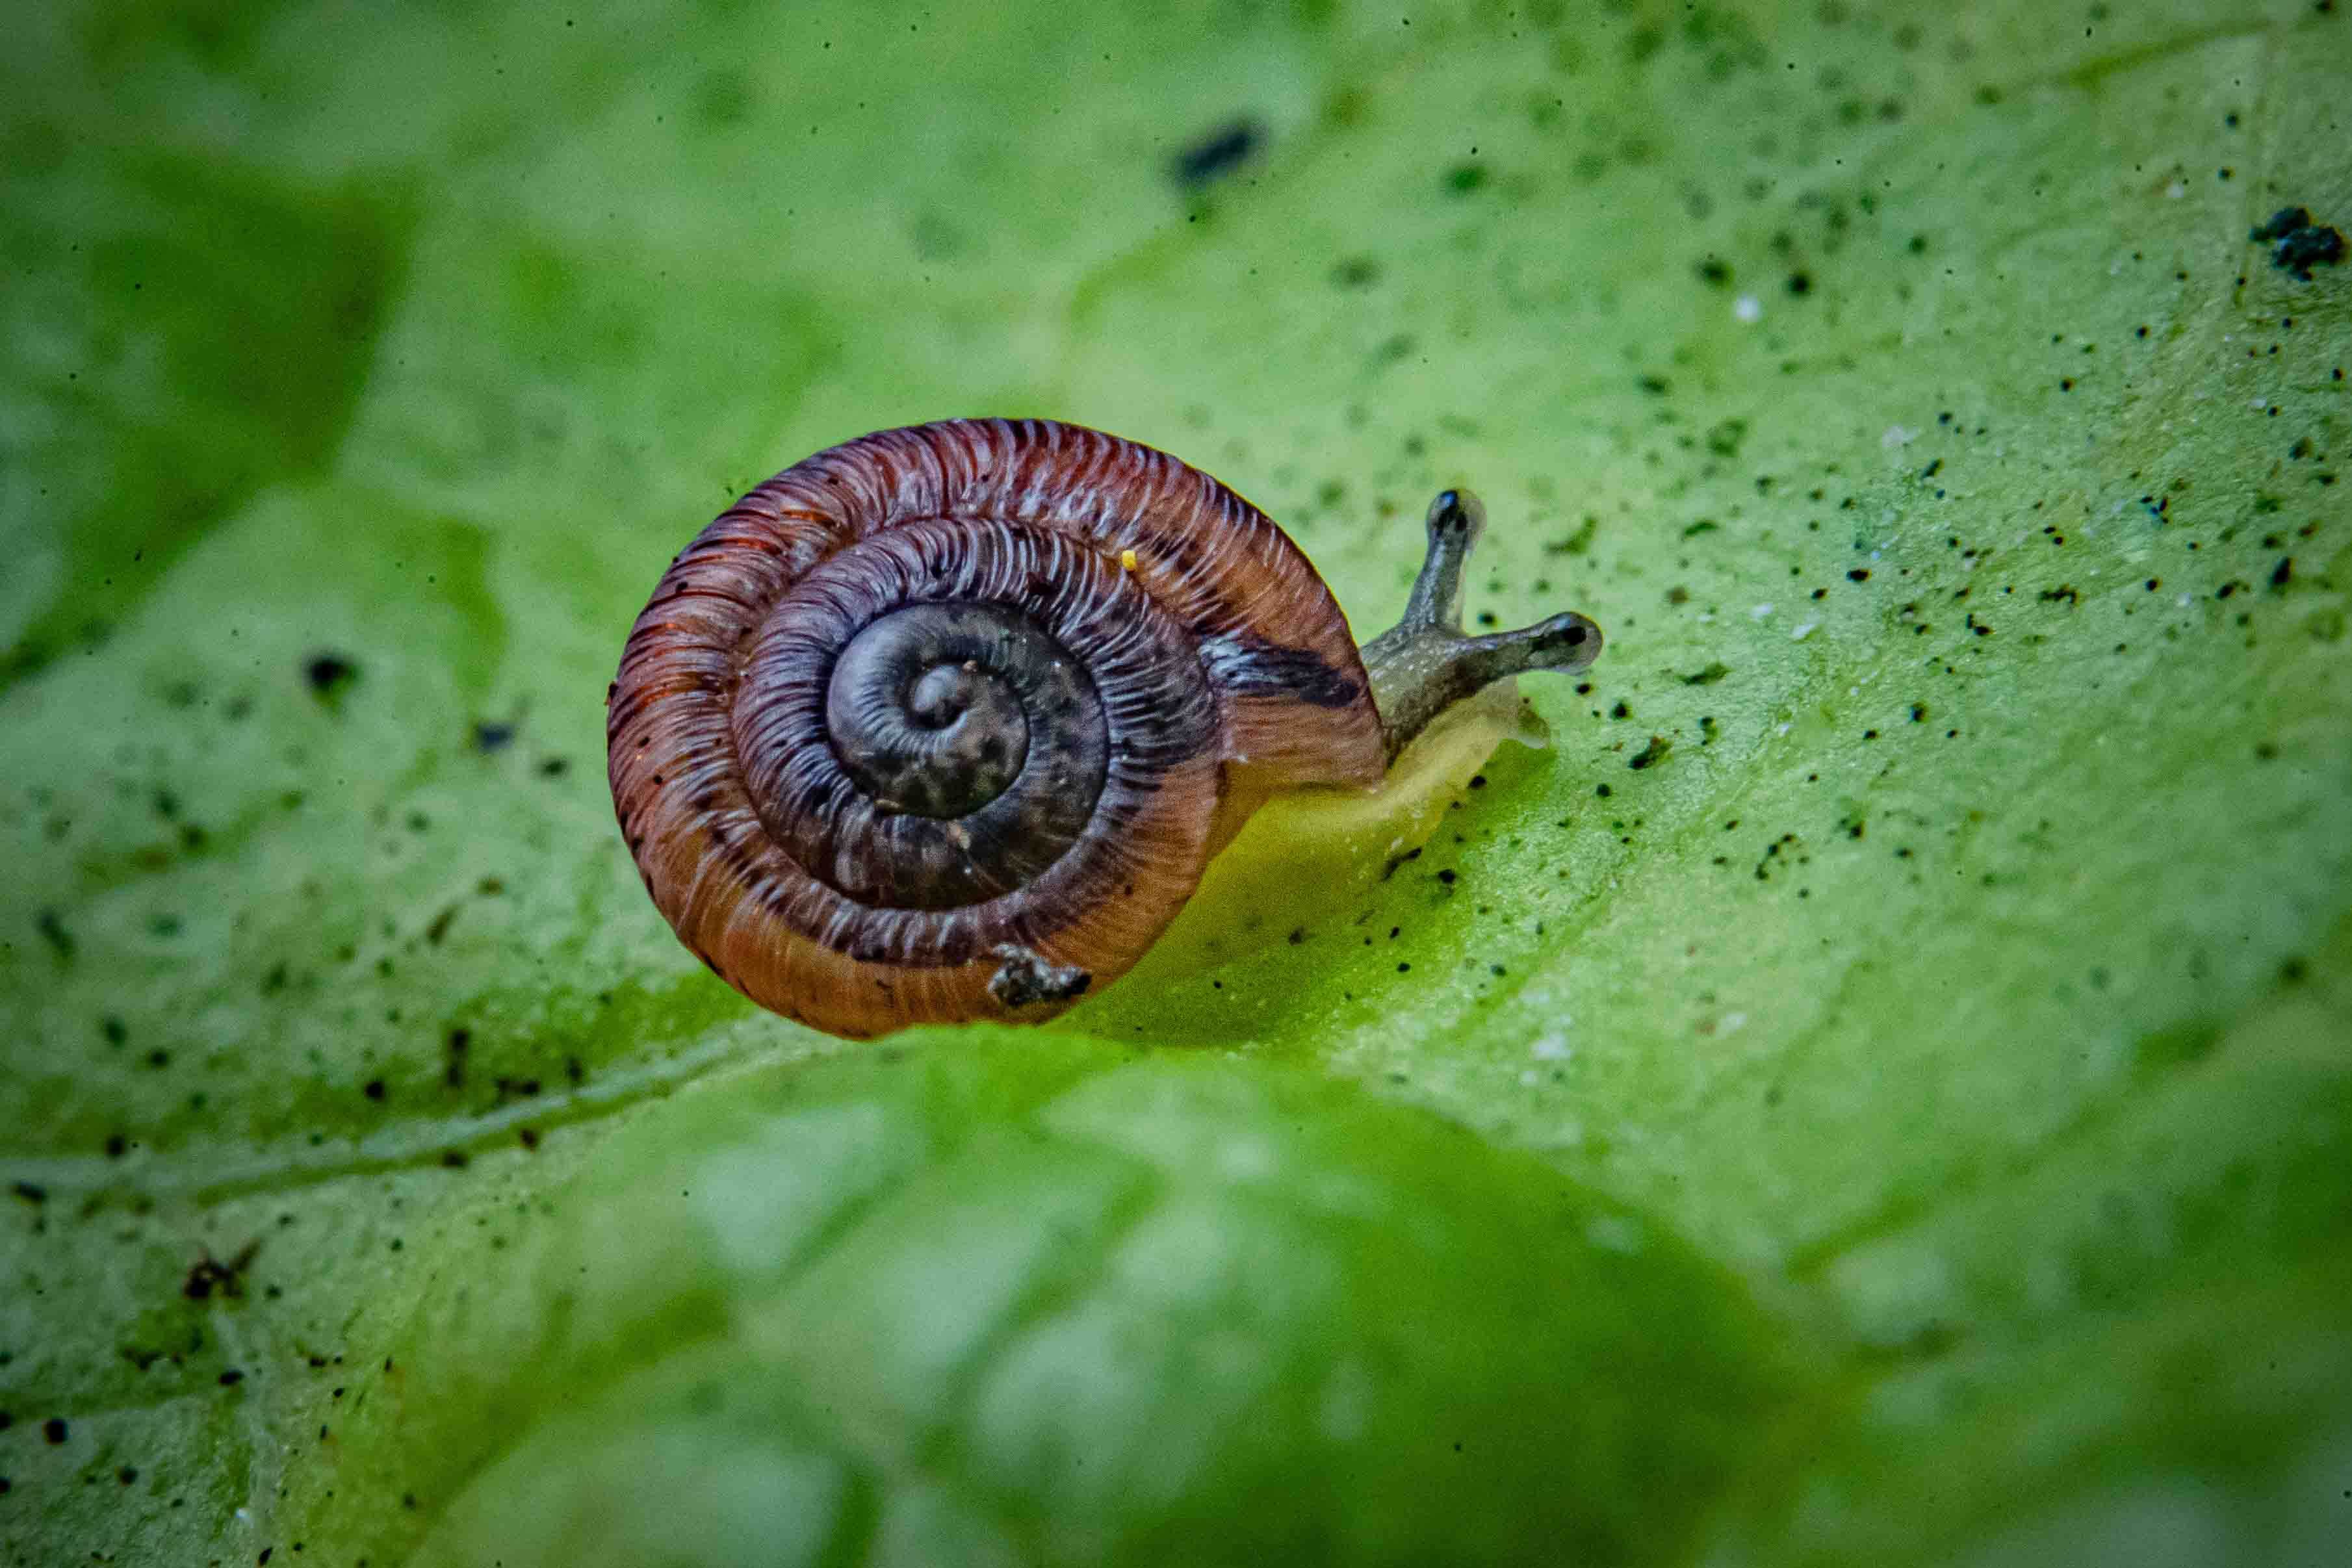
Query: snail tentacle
(1425, 663)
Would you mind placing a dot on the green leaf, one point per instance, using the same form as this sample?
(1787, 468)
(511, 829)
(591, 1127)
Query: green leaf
(1952, 1003)
(1076, 1308)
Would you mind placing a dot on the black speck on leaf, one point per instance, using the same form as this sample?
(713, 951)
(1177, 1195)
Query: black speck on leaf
(1217, 152)
(329, 674)
(53, 931)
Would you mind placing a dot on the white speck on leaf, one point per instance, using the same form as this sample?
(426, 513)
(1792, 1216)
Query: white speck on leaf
(1347, 1402)
(1615, 1233)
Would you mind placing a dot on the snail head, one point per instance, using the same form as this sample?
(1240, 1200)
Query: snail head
(1425, 663)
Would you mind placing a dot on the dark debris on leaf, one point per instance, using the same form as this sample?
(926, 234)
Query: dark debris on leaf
(1220, 151)
(53, 931)
(329, 674)
(2298, 245)
(2305, 248)
(2280, 225)
(209, 1276)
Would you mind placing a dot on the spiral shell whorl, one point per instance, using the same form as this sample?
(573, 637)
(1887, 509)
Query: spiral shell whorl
(1072, 720)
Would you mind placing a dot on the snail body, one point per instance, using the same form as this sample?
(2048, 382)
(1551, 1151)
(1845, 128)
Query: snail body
(944, 722)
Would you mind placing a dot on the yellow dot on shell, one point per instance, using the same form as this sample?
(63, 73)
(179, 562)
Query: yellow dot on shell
(1126, 560)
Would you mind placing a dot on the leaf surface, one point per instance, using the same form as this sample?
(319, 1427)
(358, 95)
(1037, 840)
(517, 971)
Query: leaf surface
(1928, 931)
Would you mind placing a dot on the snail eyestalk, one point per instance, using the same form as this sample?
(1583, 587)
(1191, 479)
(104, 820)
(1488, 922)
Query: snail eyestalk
(1426, 663)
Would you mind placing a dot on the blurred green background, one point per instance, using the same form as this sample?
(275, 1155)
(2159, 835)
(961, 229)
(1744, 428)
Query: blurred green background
(1878, 1089)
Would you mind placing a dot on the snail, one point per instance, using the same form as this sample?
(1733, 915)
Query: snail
(944, 722)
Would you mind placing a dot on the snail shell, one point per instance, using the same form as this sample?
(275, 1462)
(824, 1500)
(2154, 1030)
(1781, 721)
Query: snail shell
(944, 722)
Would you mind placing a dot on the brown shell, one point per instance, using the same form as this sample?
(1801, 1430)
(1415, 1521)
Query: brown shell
(1226, 667)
